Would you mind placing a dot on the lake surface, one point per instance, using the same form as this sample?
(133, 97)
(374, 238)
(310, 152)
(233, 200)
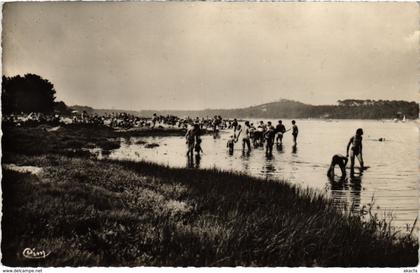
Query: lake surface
(392, 179)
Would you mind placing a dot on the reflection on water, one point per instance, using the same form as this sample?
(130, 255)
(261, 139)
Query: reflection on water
(279, 148)
(346, 192)
(269, 169)
(294, 149)
(391, 179)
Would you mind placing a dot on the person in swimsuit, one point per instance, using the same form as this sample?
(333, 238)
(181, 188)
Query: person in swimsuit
(295, 132)
(191, 136)
(237, 132)
(246, 137)
(280, 130)
(154, 120)
(339, 160)
(269, 136)
(260, 132)
(231, 144)
(252, 135)
(235, 125)
(356, 150)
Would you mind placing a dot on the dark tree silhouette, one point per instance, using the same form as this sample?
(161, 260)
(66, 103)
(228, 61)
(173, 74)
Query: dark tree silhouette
(26, 94)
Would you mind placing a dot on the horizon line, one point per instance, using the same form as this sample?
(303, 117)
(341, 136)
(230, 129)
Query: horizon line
(236, 108)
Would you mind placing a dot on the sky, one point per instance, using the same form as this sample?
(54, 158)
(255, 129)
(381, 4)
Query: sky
(198, 55)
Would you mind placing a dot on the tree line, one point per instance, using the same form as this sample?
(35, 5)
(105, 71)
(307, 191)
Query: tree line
(346, 109)
(32, 93)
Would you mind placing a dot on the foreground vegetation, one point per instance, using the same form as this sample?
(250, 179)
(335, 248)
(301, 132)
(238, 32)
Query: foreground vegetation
(111, 213)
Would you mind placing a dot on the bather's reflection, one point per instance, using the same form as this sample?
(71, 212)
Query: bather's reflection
(346, 192)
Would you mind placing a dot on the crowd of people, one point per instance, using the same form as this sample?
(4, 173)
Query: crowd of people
(260, 135)
(120, 120)
(115, 120)
(265, 134)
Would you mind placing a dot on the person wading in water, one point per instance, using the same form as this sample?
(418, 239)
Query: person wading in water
(356, 150)
(280, 130)
(269, 136)
(295, 132)
(246, 141)
(192, 136)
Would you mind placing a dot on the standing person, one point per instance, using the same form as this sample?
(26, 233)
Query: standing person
(192, 134)
(252, 134)
(246, 137)
(238, 132)
(214, 124)
(356, 150)
(154, 120)
(235, 125)
(269, 136)
(231, 144)
(197, 121)
(295, 132)
(261, 129)
(280, 130)
(202, 123)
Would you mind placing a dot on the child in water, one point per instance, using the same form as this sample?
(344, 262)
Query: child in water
(356, 150)
(231, 144)
(295, 131)
(197, 147)
(339, 160)
(269, 137)
(280, 130)
(191, 135)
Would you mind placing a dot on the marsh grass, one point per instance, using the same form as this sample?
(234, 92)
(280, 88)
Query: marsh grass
(121, 213)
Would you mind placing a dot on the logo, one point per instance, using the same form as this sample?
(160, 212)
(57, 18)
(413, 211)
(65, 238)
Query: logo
(32, 253)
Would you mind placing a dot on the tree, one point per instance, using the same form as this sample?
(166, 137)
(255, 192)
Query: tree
(26, 94)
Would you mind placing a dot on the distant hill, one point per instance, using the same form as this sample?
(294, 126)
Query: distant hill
(267, 110)
(346, 109)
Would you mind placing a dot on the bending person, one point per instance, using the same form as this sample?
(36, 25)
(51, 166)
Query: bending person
(339, 160)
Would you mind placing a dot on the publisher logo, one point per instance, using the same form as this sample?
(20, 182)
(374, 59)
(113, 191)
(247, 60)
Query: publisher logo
(32, 253)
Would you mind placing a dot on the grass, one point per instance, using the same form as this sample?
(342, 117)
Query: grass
(120, 213)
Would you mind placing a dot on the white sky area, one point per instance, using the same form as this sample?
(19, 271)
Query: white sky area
(184, 55)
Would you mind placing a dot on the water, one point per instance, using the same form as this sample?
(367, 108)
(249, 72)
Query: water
(392, 178)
